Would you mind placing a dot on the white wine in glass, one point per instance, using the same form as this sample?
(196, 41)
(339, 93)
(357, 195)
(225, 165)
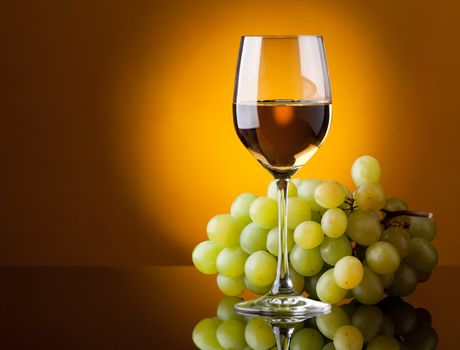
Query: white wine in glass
(282, 113)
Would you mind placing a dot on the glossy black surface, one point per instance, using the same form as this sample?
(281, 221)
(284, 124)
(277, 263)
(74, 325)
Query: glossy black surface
(147, 307)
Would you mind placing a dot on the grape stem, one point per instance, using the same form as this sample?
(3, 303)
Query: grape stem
(390, 215)
(350, 201)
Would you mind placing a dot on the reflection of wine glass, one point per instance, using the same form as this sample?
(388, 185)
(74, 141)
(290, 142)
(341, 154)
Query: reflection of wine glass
(390, 324)
(282, 112)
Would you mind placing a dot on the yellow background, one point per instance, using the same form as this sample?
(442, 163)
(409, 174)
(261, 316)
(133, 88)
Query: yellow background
(117, 141)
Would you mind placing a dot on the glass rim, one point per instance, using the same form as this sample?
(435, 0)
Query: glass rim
(282, 36)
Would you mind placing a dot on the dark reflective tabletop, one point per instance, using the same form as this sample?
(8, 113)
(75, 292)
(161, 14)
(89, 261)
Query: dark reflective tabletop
(148, 307)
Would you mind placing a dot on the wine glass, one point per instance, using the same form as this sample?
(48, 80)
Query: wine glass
(282, 113)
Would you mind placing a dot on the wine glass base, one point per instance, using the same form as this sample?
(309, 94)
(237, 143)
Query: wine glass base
(286, 308)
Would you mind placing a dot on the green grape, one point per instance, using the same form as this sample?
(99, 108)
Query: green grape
(348, 272)
(328, 291)
(226, 311)
(422, 338)
(272, 191)
(388, 326)
(370, 290)
(405, 281)
(394, 204)
(348, 338)
(259, 334)
(423, 276)
(422, 255)
(230, 335)
(329, 323)
(297, 212)
(387, 279)
(399, 238)
(370, 196)
(307, 339)
(383, 342)
(240, 207)
(329, 346)
(365, 169)
(307, 262)
(297, 280)
(334, 222)
(329, 194)
(262, 290)
(230, 261)
(364, 227)
(307, 190)
(422, 227)
(260, 268)
(253, 238)
(369, 321)
(204, 257)
(204, 334)
(403, 316)
(423, 317)
(231, 286)
(272, 241)
(382, 257)
(308, 235)
(334, 249)
(264, 212)
(224, 230)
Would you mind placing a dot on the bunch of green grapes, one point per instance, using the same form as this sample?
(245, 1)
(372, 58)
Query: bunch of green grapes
(341, 244)
(392, 324)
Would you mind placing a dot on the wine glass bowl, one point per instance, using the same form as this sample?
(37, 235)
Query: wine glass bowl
(287, 135)
(282, 99)
(282, 113)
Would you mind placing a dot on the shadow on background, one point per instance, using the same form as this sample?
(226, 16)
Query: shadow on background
(63, 200)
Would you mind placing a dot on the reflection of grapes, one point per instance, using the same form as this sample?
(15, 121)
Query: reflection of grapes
(204, 334)
(343, 245)
(307, 338)
(230, 334)
(348, 338)
(369, 321)
(392, 324)
(259, 335)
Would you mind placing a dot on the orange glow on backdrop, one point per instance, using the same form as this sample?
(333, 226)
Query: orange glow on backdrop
(117, 140)
(186, 162)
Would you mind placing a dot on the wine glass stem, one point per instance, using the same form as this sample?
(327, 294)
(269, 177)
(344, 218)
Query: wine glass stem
(283, 336)
(283, 283)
